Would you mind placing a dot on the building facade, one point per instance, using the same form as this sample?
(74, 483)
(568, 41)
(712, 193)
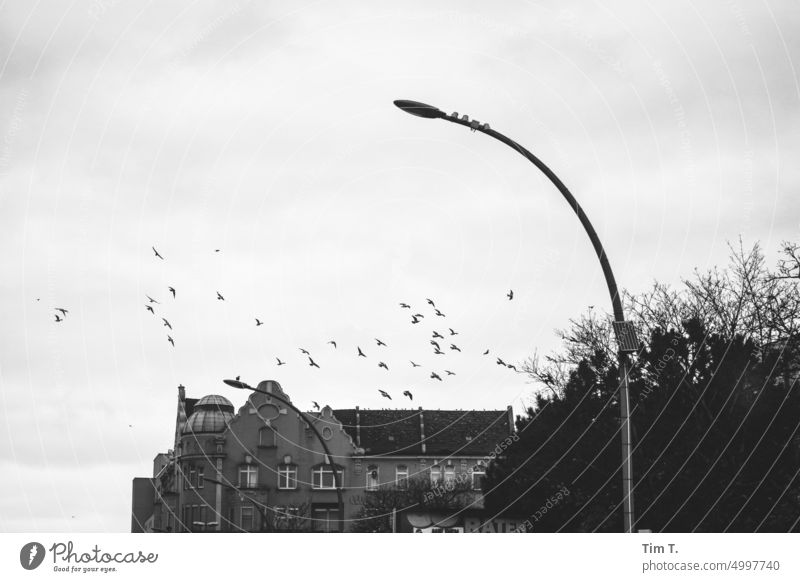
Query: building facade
(263, 468)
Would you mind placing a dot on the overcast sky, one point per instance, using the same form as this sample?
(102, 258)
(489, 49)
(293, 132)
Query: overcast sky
(267, 130)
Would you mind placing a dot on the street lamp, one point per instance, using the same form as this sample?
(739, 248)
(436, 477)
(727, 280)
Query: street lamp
(328, 456)
(625, 333)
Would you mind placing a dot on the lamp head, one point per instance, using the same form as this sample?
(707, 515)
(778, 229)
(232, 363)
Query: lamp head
(237, 384)
(419, 109)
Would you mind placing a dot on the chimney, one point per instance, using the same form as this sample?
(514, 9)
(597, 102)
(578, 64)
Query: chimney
(358, 427)
(181, 393)
(422, 430)
(510, 412)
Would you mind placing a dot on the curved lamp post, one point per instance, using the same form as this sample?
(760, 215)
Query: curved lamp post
(625, 333)
(328, 456)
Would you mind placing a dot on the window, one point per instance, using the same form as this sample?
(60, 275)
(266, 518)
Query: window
(372, 478)
(401, 477)
(266, 437)
(187, 477)
(325, 518)
(193, 477)
(449, 474)
(287, 476)
(478, 476)
(247, 521)
(198, 517)
(194, 517)
(248, 477)
(322, 477)
(287, 518)
(436, 474)
(187, 517)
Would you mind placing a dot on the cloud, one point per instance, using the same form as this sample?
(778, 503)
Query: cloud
(268, 131)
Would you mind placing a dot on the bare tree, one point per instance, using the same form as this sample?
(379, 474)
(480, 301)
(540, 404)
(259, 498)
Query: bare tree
(744, 299)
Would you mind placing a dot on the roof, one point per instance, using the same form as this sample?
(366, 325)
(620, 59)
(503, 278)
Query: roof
(188, 406)
(447, 432)
(215, 401)
(209, 414)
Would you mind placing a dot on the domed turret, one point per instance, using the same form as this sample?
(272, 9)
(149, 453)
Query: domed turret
(211, 414)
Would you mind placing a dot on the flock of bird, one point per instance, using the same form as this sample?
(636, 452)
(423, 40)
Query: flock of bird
(416, 318)
(439, 348)
(149, 306)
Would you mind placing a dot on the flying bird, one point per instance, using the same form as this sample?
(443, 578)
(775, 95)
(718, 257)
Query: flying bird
(500, 362)
(156, 252)
(279, 362)
(360, 353)
(385, 394)
(63, 311)
(435, 376)
(455, 347)
(437, 334)
(316, 406)
(405, 306)
(172, 290)
(512, 366)
(419, 315)
(414, 319)
(237, 378)
(150, 309)
(258, 322)
(439, 313)
(304, 351)
(216, 250)
(430, 302)
(58, 319)
(311, 362)
(510, 294)
(333, 343)
(452, 332)
(486, 353)
(408, 393)
(166, 323)
(414, 365)
(382, 365)
(435, 343)
(170, 340)
(151, 299)
(438, 352)
(380, 343)
(220, 297)
(449, 373)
